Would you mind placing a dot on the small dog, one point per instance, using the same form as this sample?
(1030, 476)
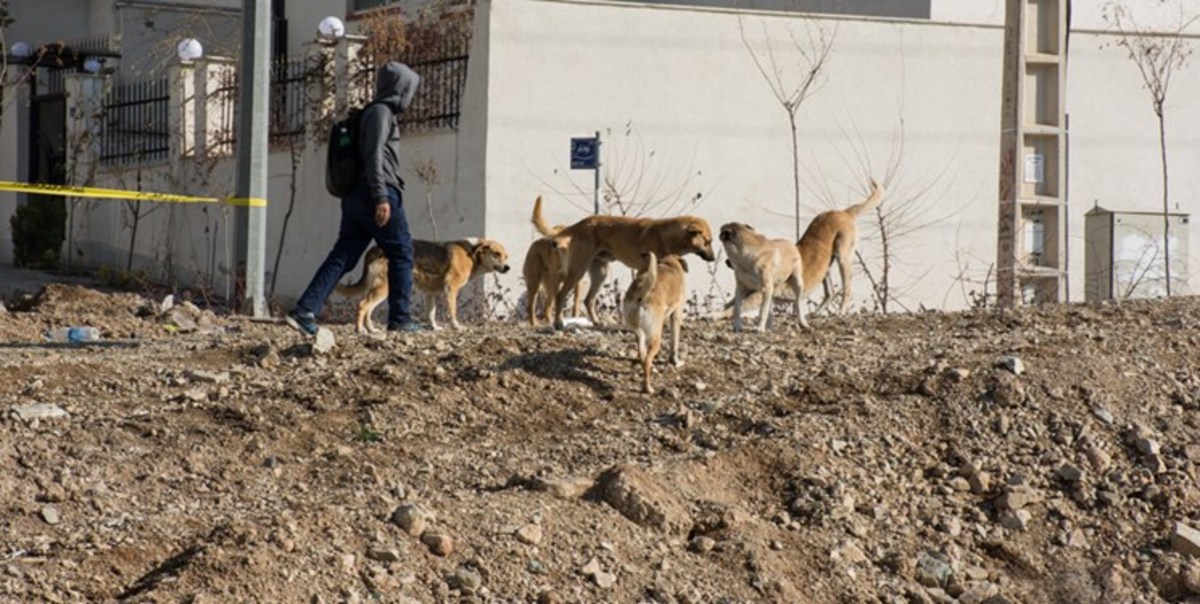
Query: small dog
(545, 268)
(438, 267)
(762, 265)
(596, 238)
(830, 237)
(654, 296)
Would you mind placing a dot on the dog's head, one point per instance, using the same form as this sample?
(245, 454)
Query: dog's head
(692, 235)
(733, 233)
(490, 256)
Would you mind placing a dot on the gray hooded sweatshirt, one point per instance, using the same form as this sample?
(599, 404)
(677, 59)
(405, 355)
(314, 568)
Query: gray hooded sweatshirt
(395, 85)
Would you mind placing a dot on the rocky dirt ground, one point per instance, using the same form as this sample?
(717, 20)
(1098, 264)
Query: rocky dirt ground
(1043, 455)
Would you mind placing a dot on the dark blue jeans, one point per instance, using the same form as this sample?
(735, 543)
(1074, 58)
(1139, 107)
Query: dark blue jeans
(355, 234)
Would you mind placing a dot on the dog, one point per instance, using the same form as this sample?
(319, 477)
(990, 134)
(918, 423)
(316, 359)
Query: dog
(545, 268)
(438, 268)
(597, 240)
(762, 265)
(830, 237)
(655, 296)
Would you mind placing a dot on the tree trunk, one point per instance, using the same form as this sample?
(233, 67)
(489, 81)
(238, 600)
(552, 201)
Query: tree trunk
(1162, 146)
(795, 168)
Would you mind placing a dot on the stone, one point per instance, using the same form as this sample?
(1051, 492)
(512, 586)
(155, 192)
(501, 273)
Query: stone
(701, 544)
(848, 553)
(643, 499)
(530, 534)
(605, 580)
(411, 518)
(549, 597)
(1191, 576)
(1016, 498)
(1077, 539)
(1070, 473)
(208, 377)
(838, 445)
(1147, 446)
(384, 554)
(980, 483)
(977, 593)
(958, 483)
(933, 570)
(323, 342)
(50, 515)
(591, 568)
(1100, 460)
(39, 411)
(1186, 540)
(563, 488)
(1013, 364)
(465, 579)
(439, 544)
(1154, 463)
(1015, 520)
(1103, 415)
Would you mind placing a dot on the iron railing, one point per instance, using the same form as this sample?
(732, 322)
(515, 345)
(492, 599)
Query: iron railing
(136, 124)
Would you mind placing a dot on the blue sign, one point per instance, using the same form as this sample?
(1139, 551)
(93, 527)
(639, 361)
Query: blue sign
(585, 153)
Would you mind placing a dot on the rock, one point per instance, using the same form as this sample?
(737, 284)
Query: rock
(605, 580)
(1103, 415)
(1147, 446)
(563, 488)
(1154, 463)
(208, 377)
(838, 445)
(1070, 473)
(958, 483)
(591, 568)
(465, 579)
(346, 562)
(50, 515)
(384, 554)
(849, 553)
(39, 411)
(412, 518)
(701, 544)
(977, 593)
(933, 570)
(1186, 540)
(641, 498)
(438, 543)
(1191, 576)
(530, 534)
(549, 597)
(1013, 364)
(980, 483)
(1100, 460)
(1016, 498)
(1077, 539)
(1015, 520)
(323, 342)
(181, 319)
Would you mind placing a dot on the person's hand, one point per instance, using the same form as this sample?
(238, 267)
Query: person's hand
(383, 213)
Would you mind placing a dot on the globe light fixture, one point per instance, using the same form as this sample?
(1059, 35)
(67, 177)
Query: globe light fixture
(91, 65)
(189, 49)
(21, 50)
(331, 29)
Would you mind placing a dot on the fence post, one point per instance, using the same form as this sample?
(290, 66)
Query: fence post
(84, 127)
(181, 111)
(217, 110)
(346, 62)
(321, 89)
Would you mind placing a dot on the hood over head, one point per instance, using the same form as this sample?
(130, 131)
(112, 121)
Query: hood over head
(395, 85)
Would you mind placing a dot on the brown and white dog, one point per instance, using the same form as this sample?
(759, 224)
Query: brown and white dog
(655, 296)
(831, 236)
(595, 238)
(545, 268)
(762, 265)
(438, 268)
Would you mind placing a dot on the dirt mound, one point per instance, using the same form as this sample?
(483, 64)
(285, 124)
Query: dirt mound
(1044, 455)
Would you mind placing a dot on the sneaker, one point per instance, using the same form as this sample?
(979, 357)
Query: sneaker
(304, 323)
(408, 328)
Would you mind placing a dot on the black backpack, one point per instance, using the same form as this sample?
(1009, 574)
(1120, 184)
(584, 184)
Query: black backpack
(343, 166)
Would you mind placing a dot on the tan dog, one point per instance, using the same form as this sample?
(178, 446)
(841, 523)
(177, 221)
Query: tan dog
(656, 295)
(831, 236)
(545, 268)
(762, 265)
(438, 268)
(596, 238)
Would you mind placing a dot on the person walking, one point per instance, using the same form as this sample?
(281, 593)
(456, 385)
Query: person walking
(373, 209)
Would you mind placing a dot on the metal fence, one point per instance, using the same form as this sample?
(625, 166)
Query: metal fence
(289, 97)
(438, 102)
(136, 124)
(221, 114)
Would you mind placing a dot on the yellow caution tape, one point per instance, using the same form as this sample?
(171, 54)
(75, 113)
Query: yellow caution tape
(72, 191)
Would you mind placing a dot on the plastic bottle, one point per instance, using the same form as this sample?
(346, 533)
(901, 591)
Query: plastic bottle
(73, 335)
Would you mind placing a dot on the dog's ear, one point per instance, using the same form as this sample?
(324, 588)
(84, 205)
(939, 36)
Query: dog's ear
(683, 264)
(728, 263)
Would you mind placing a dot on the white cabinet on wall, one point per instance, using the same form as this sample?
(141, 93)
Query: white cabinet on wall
(1125, 255)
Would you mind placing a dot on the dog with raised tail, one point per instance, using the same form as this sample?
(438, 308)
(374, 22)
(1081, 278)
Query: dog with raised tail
(762, 265)
(830, 237)
(655, 296)
(545, 268)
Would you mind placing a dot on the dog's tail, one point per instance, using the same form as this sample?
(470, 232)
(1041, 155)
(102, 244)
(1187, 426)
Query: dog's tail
(371, 270)
(539, 222)
(870, 203)
(646, 278)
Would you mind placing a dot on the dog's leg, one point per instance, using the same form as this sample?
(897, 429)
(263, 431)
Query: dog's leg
(367, 308)
(676, 330)
(739, 295)
(597, 273)
(768, 303)
(641, 343)
(452, 306)
(652, 349)
(797, 284)
(576, 269)
(431, 309)
(532, 289)
(844, 268)
(827, 287)
(578, 299)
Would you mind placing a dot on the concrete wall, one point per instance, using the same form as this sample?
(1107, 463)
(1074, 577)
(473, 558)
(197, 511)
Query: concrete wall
(684, 86)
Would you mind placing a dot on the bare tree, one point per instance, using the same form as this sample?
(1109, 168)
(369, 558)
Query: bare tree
(1157, 57)
(814, 54)
(427, 173)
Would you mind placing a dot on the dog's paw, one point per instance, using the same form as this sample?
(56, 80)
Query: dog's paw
(678, 363)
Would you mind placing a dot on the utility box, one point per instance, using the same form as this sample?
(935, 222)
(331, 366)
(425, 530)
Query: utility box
(1125, 256)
